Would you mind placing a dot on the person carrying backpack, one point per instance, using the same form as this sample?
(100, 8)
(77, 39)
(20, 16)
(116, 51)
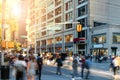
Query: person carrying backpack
(75, 66)
(40, 64)
(82, 65)
(87, 66)
(59, 64)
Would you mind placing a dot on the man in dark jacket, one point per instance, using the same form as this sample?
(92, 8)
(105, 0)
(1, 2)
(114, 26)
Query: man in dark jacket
(40, 63)
(59, 64)
(82, 65)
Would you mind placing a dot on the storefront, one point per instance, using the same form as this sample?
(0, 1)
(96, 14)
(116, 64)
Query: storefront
(105, 40)
(58, 47)
(81, 44)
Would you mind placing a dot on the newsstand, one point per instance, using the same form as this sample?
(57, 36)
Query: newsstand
(5, 69)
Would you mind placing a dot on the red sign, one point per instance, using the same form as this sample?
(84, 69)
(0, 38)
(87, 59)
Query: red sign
(79, 40)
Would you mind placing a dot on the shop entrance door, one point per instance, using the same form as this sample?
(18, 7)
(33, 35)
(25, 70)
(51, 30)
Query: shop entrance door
(113, 50)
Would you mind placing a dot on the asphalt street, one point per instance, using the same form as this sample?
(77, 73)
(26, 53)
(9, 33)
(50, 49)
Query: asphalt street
(99, 71)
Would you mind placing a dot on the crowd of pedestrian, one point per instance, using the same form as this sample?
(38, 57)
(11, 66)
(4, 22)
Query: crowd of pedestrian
(22, 66)
(84, 62)
(31, 65)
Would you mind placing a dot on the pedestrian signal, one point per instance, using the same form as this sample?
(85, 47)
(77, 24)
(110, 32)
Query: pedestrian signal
(79, 27)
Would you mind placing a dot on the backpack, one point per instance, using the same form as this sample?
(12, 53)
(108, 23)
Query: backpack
(87, 64)
(39, 61)
(59, 62)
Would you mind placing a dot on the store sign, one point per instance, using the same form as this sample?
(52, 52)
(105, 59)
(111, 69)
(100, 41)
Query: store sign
(79, 40)
(98, 45)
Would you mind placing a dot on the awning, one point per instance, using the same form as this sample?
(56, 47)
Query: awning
(69, 44)
(58, 45)
(43, 46)
(50, 46)
(79, 40)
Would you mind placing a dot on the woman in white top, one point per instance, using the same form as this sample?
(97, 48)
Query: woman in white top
(31, 67)
(115, 66)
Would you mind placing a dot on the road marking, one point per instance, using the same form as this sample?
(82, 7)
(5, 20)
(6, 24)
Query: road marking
(77, 78)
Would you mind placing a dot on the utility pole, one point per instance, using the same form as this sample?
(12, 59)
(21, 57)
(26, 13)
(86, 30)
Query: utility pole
(2, 25)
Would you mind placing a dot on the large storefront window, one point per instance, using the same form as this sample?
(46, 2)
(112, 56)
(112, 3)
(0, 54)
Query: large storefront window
(101, 52)
(116, 37)
(69, 38)
(98, 39)
(49, 41)
(58, 39)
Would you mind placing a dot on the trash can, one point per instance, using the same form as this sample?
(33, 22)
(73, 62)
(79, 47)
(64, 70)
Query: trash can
(5, 72)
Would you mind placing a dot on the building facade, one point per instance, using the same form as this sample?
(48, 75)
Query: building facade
(105, 40)
(53, 23)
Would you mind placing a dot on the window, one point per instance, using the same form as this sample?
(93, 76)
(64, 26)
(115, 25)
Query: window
(116, 37)
(50, 15)
(58, 20)
(69, 5)
(81, 34)
(43, 33)
(81, 11)
(43, 25)
(68, 26)
(43, 11)
(58, 11)
(69, 16)
(58, 39)
(49, 41)
(81, 1)
(43, 18)
(57, 2)
(98, 39)
(69, 38)
(83, 22)
(38, 43)
(98, 23)
(43, 42)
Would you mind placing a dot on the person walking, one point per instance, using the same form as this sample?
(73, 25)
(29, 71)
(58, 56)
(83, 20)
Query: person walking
(75, 66)
(59, 65)
(40, 64)
(87, 66)
(31, 67)
(20, 66)
(82, 65)
(115, 66)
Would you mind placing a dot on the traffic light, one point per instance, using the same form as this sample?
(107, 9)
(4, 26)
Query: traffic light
(3, 44)
(10, 44)
(79, 27)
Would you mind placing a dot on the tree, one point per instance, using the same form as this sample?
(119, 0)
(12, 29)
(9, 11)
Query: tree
(17, 46)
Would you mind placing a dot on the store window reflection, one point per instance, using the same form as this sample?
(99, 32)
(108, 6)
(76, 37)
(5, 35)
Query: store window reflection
(69, 38)
(98, 39)
(116, 37)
